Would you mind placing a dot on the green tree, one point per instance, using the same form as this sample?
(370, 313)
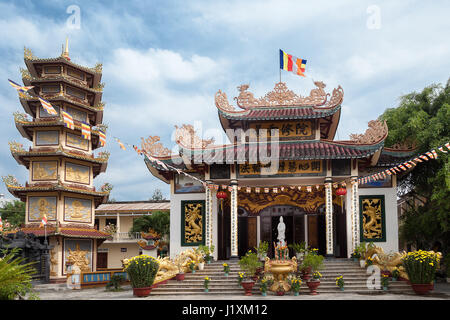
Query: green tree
(158, 221)
(14, 212)
(423, 118)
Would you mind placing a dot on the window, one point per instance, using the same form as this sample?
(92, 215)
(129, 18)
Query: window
(96, 224)
(111, 221)
(52, 70)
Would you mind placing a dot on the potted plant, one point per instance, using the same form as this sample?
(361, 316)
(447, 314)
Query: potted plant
(395, 274)
(226, 269)
(361, 249)
(191, 266)
(369, 261)
(311, 262)
(314, 283)
(206, 284)
(201, 261)
(340, 282)
(355, 255)
(300, 249)
(207, 251)
(295, 285)
(240, 278)
(263, 285)
(262, 250)
(249, 263)
(385, 281)
(142, 271)
(421, 268)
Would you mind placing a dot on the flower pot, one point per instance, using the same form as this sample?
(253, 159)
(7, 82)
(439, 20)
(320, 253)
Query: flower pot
(422, 288)
(362, 263)
(355, 259)
(193, 271)
(312, 285)
(280, 293)
(296, 293)
(394, 279)
(226, 274)
(248, 286)
(342, 289)
(264, 294)
(255, 278)
(306, 274)
(201, 265)
(385, 288)
(206, 290)
(142, 292)
(179, 277)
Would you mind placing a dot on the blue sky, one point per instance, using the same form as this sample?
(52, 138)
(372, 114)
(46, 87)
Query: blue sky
(164, 61)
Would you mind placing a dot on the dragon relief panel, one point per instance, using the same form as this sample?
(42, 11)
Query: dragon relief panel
(372, 218)
(310, 202)
(193, 215)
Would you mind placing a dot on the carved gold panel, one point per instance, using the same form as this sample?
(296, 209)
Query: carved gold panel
(287, 129)
(44, 170)
(285, 167)
(77, 173)
(77, 209)
(192, 222)
(76, 141)
(372, 218)
(78, 252)
(38, 206)
(47, 138)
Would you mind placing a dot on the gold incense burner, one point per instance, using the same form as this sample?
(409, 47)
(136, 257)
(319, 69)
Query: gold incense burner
(280, 267)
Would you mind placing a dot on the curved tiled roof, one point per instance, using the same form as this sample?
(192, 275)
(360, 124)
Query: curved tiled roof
(134, 206)
(71, 232)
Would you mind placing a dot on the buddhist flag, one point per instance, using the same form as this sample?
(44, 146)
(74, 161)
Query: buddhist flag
(441, 149)
(102, 137)
(408, 165)
(249, 189)
(429, 155)
(1, 224)
(309, 188)
(257, 190)
(290, 63)
(43, 221)
(447, 145)
(47, 106)
(86, 130)
(389, 172)
(275, 190)
(434, 153)
(423, 157)
(20, 88)
(121, 144)
(68, 120)
(266, 190)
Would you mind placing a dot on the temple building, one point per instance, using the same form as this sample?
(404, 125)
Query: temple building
(282, 161)
(61, 161)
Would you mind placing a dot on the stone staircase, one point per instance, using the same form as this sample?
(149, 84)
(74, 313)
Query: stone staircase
(355, 279)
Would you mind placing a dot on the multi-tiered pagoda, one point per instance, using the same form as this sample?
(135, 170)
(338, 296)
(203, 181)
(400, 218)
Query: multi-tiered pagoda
(61, 162)
(311, 179)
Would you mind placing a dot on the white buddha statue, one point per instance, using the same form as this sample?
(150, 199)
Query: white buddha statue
(281, 230)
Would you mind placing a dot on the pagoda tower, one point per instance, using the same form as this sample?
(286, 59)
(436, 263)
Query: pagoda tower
(61, 161)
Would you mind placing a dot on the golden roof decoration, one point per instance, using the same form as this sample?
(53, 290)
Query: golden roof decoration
(376, 132)
(28, 54)
(16, 146)
(281, 96)
(25, 74)
(153, 147)
(11, 181)
(187, 137)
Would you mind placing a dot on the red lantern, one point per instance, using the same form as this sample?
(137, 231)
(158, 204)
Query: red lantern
(341, 192)
(221, 195)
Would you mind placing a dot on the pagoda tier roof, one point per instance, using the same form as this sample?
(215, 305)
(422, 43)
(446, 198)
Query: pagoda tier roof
(70, 231)
(97, 110)
(280, 104)
(32, 81)
(392, 156)
(31, 62)
(23, 157)
(21, 192)
(25, 127)
(288, 150)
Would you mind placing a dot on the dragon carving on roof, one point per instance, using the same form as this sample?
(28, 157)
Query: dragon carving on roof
(376, 132)
(187, 137)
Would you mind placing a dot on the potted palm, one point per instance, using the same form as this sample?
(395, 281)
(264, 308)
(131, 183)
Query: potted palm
(249, 263)
(142, 271)
(421, 268)
(300, 249)
(262, 250)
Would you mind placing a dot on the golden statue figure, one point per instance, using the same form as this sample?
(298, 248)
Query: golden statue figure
(186, 257)
(387, 261)
(53, 263)
(42, 207)
(79, 258)
(167, 269)
(77, 211)
(44, 172)
(77, 174)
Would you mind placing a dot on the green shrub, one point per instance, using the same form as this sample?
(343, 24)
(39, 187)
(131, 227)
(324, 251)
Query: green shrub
(15, 275)
(312, 260)
(249, 263)
(115, 282)
(141, 270)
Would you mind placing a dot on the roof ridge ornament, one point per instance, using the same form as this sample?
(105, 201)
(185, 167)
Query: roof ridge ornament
(281, 96)
(187, 137)
(376, 132)
(153, 148)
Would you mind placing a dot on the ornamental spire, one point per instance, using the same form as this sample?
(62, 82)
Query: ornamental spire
(65, 52)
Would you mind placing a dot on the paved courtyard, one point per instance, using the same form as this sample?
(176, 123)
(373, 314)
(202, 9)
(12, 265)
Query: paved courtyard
(51, 292)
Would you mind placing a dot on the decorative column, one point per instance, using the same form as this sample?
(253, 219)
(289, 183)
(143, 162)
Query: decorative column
(329, 217)
(234, 221)
(355, 213)
(208, 214)
(117, 222)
